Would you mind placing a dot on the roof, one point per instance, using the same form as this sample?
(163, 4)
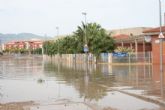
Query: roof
(22, 42)
(134, 31)
(10, 43)
(153, 30)
(121, 36)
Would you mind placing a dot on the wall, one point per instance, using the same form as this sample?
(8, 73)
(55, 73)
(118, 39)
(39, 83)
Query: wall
(156, 51)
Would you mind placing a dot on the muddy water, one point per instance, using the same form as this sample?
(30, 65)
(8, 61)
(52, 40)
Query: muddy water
(51, 83)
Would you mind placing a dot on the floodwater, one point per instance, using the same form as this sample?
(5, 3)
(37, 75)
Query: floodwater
(57, 85)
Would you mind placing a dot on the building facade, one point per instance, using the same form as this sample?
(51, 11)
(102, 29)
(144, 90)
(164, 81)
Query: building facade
(31, 44)
(155, 44)
(145, 41)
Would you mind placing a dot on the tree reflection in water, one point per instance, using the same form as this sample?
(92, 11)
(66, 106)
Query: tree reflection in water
(89, 85)
(93, 84)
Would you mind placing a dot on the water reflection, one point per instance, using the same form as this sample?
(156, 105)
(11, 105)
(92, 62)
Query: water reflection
(158, 87)
(88, 84)
(92, 80)
(19, 67)
(31, 78)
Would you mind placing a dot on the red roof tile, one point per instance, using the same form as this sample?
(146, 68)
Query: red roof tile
(154, 30)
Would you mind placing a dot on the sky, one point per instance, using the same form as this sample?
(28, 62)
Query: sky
(43, 16)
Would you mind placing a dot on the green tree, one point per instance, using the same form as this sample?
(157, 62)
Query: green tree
(37, 51)
(97, 39)
(49, 48)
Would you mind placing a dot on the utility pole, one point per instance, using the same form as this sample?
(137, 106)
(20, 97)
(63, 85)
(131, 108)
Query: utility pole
(57, 29)
(161, 37)
(86, 43)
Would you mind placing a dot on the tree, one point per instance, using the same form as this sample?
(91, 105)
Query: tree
(49, 48)
(97, 39)
(37, 51)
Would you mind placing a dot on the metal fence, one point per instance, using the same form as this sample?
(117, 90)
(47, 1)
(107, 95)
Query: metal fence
(140, 57)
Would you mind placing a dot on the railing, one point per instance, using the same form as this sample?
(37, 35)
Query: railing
(139, 57)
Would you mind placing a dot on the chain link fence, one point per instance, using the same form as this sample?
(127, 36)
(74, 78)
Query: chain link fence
(140, 57)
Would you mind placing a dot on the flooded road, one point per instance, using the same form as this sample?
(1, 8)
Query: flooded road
(51, 85)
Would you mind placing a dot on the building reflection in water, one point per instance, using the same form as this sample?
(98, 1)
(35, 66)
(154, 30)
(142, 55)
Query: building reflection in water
(159, 81)
(92, 80)
(20, 67)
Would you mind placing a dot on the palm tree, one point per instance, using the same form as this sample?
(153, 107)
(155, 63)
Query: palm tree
(98, 40)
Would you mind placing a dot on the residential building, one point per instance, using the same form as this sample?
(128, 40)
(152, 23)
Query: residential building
(155, 44)
(146, 41)
(31, 44)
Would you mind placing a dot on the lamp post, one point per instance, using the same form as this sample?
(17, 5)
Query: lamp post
(0, 47)
(57, 29)
(43, 51)
(86, 78)
(86, 44)
(85, 14)
(161, 36)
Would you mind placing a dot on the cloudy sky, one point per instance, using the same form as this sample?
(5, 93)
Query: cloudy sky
(43, 16)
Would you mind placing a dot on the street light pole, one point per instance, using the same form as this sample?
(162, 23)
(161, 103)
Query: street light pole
(86, 78)
(85, 14)
(86, 44)
(57, 29)
(160, 16)
(161, 36)
(0, 47)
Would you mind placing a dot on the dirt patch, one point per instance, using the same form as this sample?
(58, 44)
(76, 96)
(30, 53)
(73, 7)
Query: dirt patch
(109, 108)
(16, 106)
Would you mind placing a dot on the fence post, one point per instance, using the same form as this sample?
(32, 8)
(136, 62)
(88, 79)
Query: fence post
(149, 56)
(109, 58)
(129, 56)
